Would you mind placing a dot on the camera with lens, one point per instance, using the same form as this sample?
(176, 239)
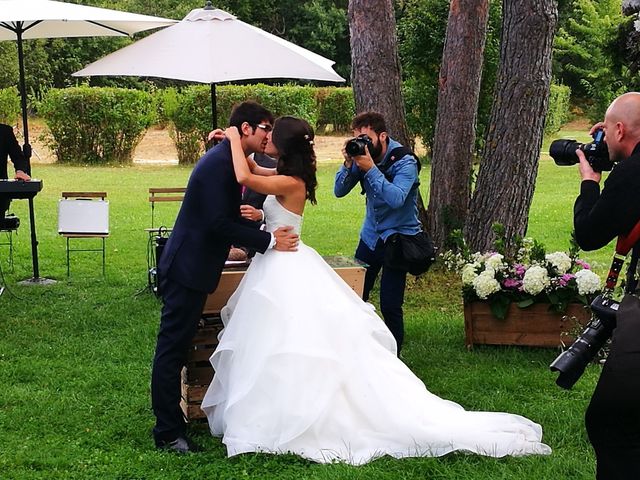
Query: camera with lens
(572, 362)
(563, 152)
(355, 146)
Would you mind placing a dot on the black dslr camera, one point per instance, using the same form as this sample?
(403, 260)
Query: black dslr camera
(572, 362)
(355, 146)
(563, 152)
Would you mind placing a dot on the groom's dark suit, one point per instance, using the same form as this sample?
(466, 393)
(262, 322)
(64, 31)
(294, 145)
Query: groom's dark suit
(9, 148)
(208, 223)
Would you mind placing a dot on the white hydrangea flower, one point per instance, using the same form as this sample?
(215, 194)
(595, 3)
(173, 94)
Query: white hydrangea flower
(560, 261)
(535, 280)
(469, 274)
(588, 282)
(485, 284)
(495, 261)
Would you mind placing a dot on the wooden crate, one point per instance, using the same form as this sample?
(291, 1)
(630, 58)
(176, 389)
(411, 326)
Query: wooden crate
(534, 326)
(198, 373)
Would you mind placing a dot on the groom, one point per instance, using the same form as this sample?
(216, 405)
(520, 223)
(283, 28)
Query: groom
(208, 223)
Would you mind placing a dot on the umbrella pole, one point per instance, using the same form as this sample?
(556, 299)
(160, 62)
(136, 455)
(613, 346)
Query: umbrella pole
(26, 149)
(214, 110)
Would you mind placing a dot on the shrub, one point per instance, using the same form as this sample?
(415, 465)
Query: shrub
(336, 107)
(9, 105)
(558, 113)
(96, 125)
(191, 116)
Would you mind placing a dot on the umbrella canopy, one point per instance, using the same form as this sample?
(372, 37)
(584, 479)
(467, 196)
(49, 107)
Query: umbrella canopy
(25, 19)
(212, 46)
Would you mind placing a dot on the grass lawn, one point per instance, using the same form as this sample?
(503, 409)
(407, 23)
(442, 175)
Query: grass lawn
(75, 356)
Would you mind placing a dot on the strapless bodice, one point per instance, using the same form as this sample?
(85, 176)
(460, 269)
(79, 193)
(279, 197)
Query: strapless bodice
(277, 216)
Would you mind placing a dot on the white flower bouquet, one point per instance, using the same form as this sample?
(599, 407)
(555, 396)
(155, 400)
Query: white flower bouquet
(527, 277)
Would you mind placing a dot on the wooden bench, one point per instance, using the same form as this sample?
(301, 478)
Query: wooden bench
(198, 373)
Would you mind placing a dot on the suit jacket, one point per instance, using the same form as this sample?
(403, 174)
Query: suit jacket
(9, 147)
(208, 223)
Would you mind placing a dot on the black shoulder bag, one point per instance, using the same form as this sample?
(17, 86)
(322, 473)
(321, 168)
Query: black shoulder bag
(409, 253)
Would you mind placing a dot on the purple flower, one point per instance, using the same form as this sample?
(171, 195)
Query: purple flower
(564, 280)
(519, 269)
(512, 283)
(583, 264)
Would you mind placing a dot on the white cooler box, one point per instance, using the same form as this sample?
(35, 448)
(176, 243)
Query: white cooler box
(83, 216)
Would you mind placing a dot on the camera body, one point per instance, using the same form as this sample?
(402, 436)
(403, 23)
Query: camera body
(572, 362)
(563, 152)
(356, 146)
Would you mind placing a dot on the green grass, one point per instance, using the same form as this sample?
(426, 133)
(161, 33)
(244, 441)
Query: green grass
(75, 356)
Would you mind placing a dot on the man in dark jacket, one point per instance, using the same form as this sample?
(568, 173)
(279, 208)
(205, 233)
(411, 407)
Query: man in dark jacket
(613, 416)
(9, 148)
(191, 263)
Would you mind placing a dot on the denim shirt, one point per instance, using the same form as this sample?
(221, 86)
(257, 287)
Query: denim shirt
(391, 205)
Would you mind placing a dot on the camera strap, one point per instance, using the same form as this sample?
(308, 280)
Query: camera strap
(624, 244)
(394, 155)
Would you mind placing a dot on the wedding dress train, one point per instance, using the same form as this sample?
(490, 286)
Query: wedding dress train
(305, 366)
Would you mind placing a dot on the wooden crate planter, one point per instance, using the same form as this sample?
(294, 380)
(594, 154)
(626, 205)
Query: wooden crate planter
(534, 326)
(198, 373)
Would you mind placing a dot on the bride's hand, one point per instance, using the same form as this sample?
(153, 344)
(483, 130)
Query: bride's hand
(232, 133)
(251, 213)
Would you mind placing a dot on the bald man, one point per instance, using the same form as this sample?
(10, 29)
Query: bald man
(613, 416)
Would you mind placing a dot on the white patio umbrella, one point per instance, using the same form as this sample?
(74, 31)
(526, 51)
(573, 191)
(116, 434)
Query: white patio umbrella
(212, 46)
(26, 19)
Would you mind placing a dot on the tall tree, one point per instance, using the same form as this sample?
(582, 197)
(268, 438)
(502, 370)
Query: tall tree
(507, 174)
(375, 66)
(455, 134)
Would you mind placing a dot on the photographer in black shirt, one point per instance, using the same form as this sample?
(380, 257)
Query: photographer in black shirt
(613, 416)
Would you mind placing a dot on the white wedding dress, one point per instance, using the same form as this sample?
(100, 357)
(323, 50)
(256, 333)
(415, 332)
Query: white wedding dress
(305, 366)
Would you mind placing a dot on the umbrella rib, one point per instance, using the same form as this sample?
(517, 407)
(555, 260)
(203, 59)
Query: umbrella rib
(18, 26)
(107, 27)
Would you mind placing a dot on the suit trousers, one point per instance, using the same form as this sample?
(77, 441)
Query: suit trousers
(613, 416)
(392, 285)
(181, 312)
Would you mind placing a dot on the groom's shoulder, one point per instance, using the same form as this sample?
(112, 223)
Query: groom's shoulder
(217, 156)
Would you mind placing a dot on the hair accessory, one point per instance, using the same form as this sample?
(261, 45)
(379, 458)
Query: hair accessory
(307, 138)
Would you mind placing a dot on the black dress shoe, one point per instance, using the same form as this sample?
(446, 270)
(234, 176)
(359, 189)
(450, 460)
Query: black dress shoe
(180, 445)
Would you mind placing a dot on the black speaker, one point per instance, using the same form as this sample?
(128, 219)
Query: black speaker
(10, 222)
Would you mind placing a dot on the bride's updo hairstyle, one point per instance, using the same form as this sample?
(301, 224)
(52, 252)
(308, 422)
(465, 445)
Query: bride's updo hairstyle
(293, 137)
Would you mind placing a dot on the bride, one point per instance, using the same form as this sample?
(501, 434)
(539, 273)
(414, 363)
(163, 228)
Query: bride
(305, 366)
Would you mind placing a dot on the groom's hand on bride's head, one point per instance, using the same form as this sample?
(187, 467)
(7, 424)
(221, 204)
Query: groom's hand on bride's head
(286, 239)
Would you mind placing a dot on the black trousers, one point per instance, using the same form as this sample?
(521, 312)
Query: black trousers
(613, 416)
(392, 285)
(181, 312)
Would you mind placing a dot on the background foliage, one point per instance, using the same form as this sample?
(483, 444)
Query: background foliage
(597, 50)
(96, 125)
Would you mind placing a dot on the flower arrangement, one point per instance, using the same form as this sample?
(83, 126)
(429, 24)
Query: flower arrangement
(528, 276)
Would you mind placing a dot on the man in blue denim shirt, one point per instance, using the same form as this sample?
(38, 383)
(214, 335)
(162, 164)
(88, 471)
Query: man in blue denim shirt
(391, 208)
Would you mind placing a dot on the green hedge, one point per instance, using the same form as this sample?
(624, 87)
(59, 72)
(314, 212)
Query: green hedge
(9, 105)
(96, 125)
(336, 107)
(558, 112)
(190, 110)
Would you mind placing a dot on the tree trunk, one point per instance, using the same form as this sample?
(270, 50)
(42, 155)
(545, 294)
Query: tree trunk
(455, 132)
(506, 179)
(376, 76)
(375, 66)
